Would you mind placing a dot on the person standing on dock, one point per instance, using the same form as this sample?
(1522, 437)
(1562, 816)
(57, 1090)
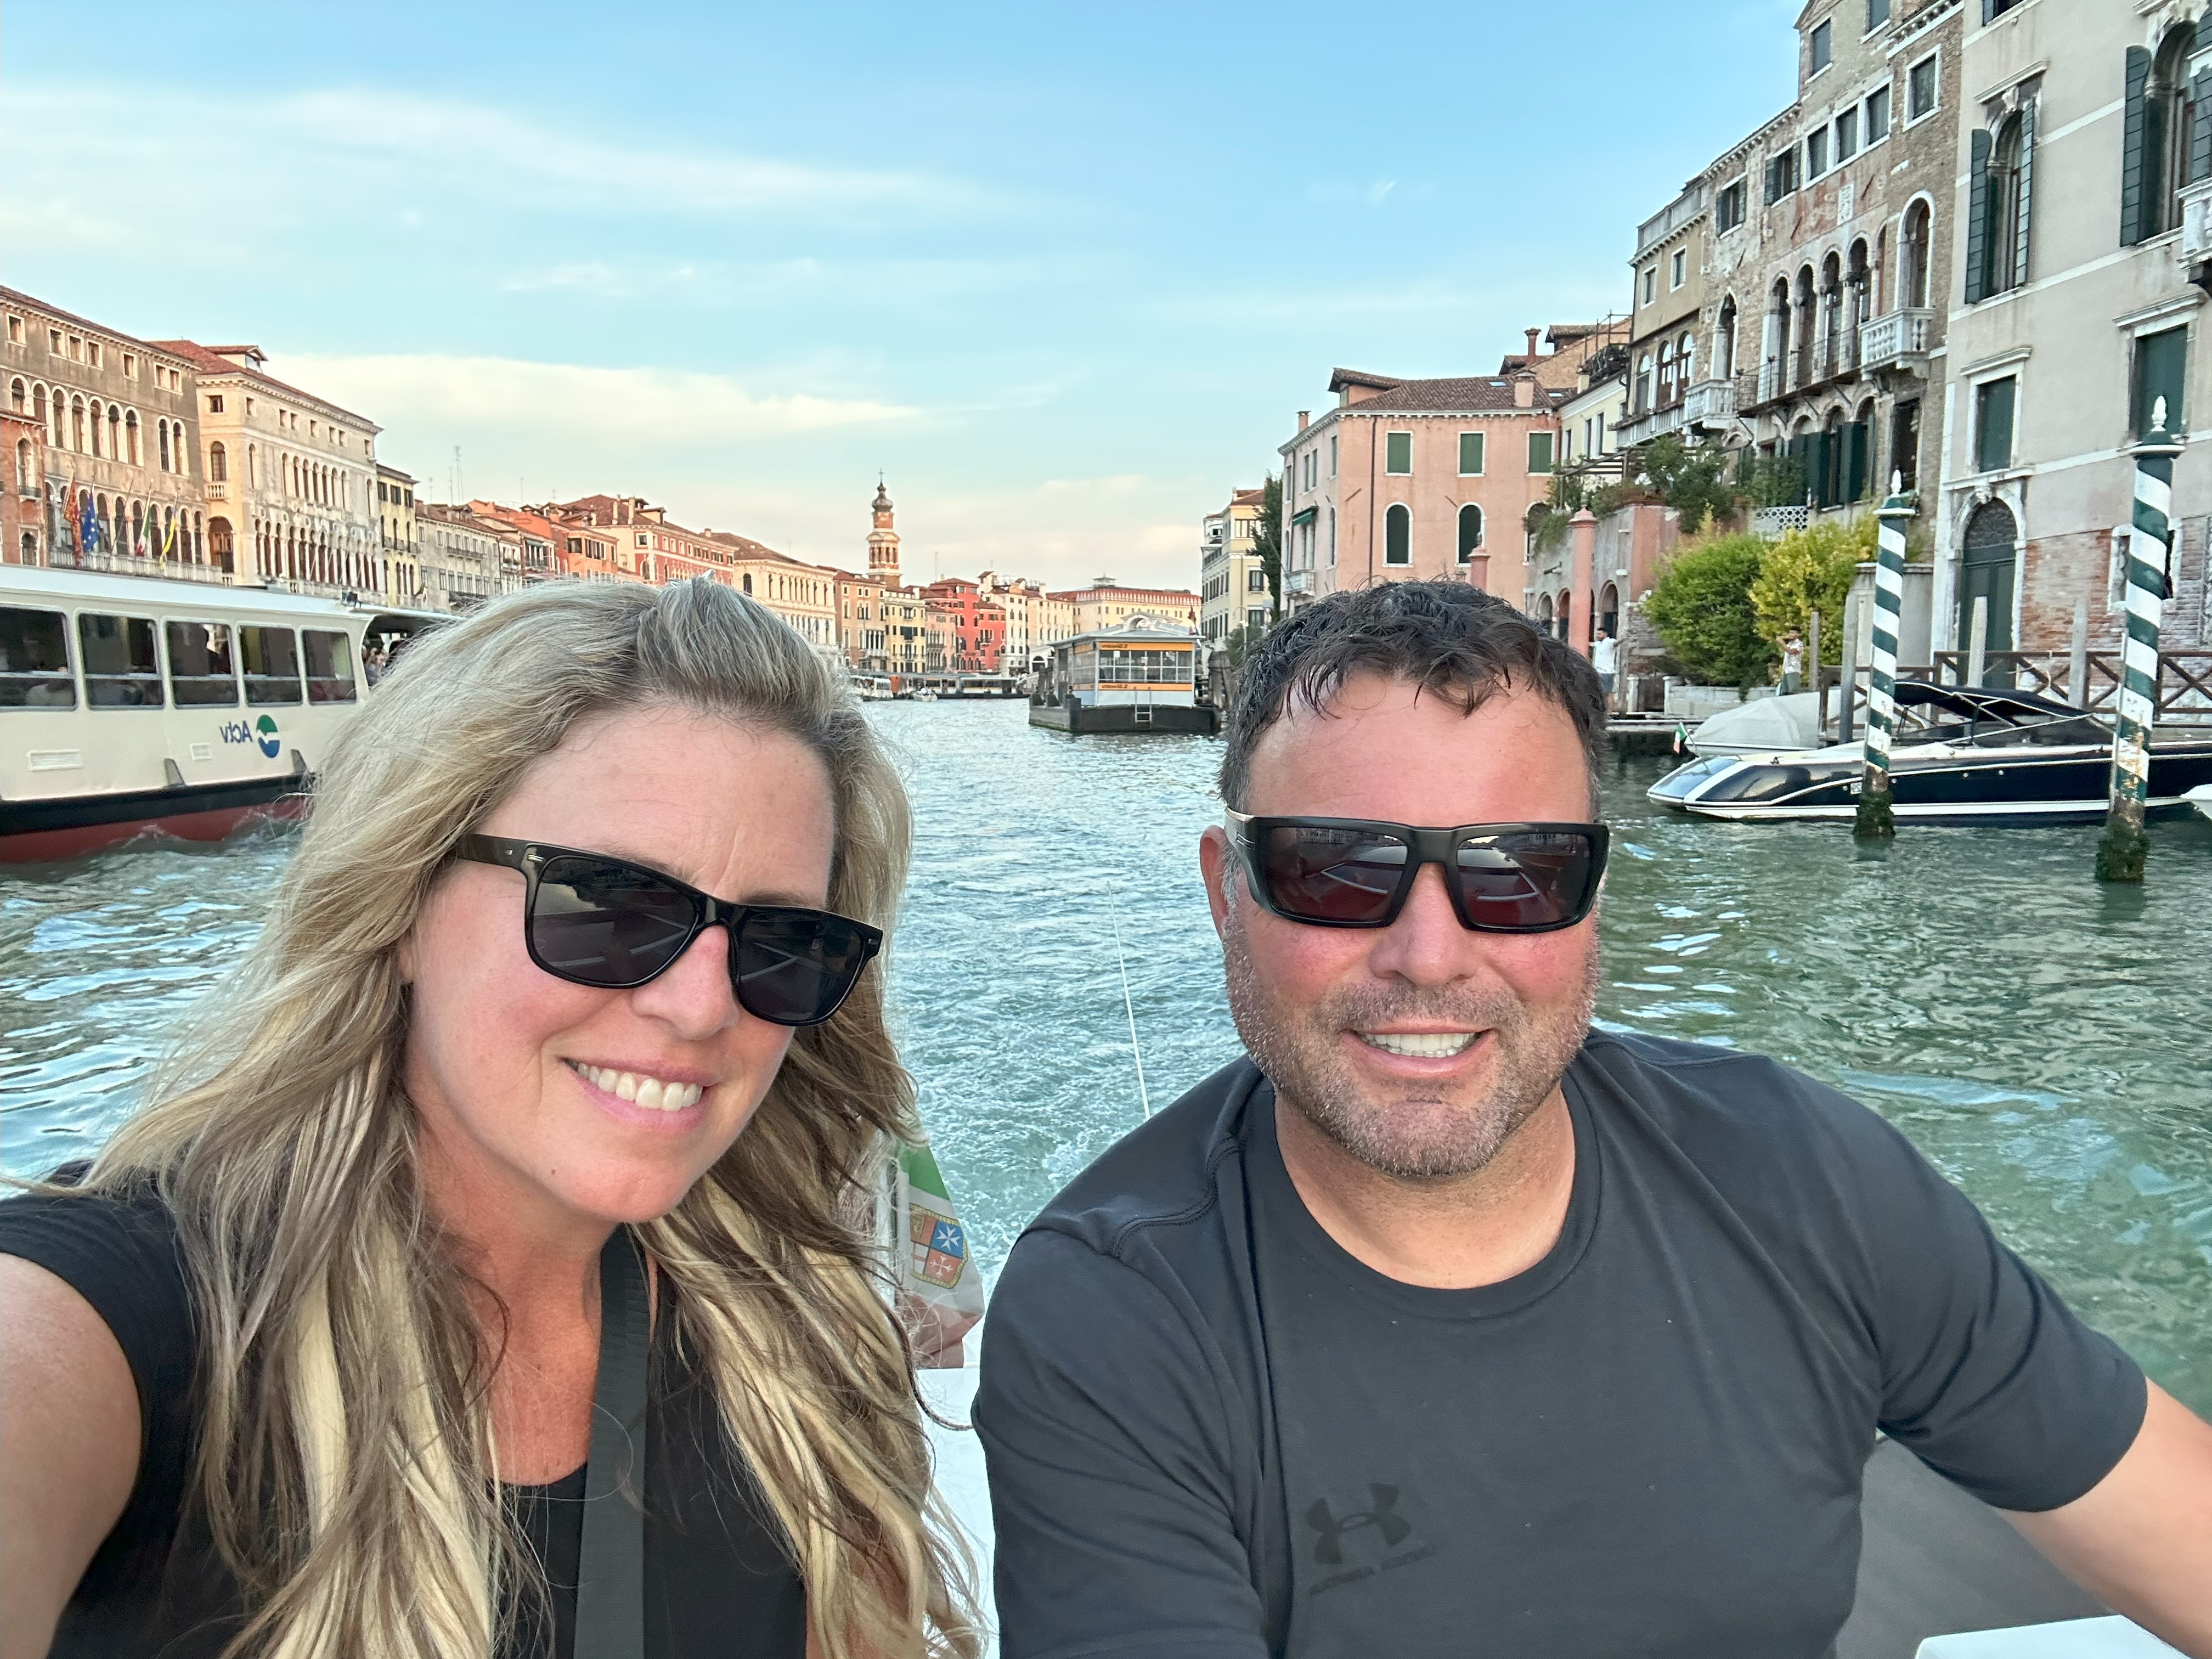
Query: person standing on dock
(1605, 656)
(1445, 1323)
(1793, 662)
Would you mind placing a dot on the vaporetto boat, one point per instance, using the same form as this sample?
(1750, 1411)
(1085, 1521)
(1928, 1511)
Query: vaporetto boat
(132, 703)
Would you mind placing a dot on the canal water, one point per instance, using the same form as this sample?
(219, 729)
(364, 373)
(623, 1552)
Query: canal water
(2048, 1043)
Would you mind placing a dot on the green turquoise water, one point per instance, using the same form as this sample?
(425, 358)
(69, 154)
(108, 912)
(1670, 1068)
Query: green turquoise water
(2047, 1042)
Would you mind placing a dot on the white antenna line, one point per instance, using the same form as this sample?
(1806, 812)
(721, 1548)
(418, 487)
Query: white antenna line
(1143, 1095)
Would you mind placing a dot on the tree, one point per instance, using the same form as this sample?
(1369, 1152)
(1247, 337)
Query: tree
(1691, 479)
(1267, 541)
(1809, 571)
(1701, 606)
(1241, 643)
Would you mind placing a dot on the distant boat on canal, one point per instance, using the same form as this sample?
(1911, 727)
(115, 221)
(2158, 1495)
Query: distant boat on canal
(130, 703)
(1140, 677)
(1961, 755)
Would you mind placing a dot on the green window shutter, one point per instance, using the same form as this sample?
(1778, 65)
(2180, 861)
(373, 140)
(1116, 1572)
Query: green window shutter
(1993, 422)
(2026, 184)
(2138, 211)
(1398, 451)
(1540, 452)
(1856, 482)
(1978, 218)
(2162, 361)
(1398, 535)
(1470, 532)
(1470, 454)
(2199, 119)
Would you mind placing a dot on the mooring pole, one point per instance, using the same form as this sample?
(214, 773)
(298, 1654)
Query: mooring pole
(2077, 657)
(2121, 848)
(1877, 813)
(1819, 681)
(1977, 642)
(1847, 670)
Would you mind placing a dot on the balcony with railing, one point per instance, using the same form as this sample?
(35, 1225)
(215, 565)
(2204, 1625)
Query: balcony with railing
(1709, 402)
(125, 564)
(1898, 340)
(218, 491)
(2194, 247)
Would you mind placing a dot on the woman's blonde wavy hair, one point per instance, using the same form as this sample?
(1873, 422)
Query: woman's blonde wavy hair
(346, 1464)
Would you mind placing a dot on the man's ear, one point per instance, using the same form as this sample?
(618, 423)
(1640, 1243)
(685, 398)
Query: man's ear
(1217, 867)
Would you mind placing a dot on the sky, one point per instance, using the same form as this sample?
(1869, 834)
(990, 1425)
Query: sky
(1064, 274)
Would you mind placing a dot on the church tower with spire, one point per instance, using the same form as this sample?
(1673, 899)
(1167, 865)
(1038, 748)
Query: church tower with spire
(883, 542)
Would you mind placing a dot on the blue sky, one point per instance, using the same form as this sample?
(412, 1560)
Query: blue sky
(1065, 274)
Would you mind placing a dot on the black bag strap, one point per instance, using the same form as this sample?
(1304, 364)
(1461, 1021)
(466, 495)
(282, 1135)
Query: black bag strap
(611, 1576)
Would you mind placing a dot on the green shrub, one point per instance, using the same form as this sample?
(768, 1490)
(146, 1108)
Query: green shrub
(1810, 571)
(1701, 606)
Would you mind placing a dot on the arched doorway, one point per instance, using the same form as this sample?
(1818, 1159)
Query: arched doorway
(219, 543)
(1609, 609)
(1986, 573)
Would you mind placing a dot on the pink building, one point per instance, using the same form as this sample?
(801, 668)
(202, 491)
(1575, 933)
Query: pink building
(1413, 479)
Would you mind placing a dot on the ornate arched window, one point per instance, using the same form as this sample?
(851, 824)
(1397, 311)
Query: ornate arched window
(1912, 257)
(26, 466)
(218, 463)
(93, 429)
(137, 454)
(76, 424)
(161, 435)
(19, 398)
(1724, 340)
(114, 431)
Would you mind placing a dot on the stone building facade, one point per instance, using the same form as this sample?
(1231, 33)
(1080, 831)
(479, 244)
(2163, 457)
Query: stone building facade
(290, 477)
(2084, 162)
(1232, 584)
(462, 558)
(117, 443)
(1106, 603)
(401, 540)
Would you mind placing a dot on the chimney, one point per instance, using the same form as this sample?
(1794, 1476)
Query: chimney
(1305, 415)
(1532, 334)
(1524, 391)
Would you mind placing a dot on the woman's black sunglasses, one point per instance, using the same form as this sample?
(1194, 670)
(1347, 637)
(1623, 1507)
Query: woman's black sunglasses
(1356, 872)
(598, 921)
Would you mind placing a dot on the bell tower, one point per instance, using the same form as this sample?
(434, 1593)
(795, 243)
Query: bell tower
(883, 542)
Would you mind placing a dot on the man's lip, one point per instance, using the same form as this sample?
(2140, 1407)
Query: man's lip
(667, 1070)
(1418, 1030)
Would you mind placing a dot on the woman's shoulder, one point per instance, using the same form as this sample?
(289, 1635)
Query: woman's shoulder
(120, 1251)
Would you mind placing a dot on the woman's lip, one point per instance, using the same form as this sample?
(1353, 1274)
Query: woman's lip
(644, 1117)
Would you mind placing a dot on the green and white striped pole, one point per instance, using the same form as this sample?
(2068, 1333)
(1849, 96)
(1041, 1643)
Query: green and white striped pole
(1877, 813)
(2122, 849)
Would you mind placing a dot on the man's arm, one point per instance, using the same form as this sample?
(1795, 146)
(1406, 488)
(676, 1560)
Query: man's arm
(2142, 1537)
(1109, 1447)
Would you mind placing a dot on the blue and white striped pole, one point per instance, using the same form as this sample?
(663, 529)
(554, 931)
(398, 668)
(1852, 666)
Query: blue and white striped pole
(1877, 813)
(2123, 848)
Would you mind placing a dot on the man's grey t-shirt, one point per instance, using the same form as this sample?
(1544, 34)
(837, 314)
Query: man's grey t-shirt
(1213, 1431)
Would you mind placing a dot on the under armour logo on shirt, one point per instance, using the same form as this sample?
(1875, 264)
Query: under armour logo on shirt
(1329, 1549)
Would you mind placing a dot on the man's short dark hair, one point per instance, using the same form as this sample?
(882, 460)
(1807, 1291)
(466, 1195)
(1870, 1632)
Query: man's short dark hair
(1450, 639)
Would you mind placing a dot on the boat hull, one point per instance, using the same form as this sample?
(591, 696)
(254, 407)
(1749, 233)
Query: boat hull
(1184, 720)
(36, 831)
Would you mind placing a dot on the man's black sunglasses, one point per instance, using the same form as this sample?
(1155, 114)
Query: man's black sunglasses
(598, 921)
(1356, 872)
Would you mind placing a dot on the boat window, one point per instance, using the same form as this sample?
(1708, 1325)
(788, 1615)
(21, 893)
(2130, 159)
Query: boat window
(34, 664)
(272, 656)
(330, 665)
(122, 666)
(202, 667)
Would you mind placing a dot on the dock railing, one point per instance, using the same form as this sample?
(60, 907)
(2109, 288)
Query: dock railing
(2185, 678)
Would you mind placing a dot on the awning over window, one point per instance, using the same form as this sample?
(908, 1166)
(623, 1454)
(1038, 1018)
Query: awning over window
(1306, 515)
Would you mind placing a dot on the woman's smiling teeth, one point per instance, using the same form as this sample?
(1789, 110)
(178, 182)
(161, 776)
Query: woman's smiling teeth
(649, 1092)
(1420, 1045)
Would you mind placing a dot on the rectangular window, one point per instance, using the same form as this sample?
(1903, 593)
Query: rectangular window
(14, 331)
(202, 670)
(129, 366)
(1816, 153)
(2160, 358)
(1678, 272)
(1332, 454)
(92, 352)
(214, 402)
(1993, 414)
(1822, 48)
(1257, 616)
(1877, 14)
(330, 665)
(1728, 207)
(1877, 115)
(1470, 454)
(54, 341)
(122, 668)
(1540, 452)
(1255, 580)
(1847, 136)
(1650, 284)
(34, 664)
(1920, 90)
(271, 657)
(1398, 451)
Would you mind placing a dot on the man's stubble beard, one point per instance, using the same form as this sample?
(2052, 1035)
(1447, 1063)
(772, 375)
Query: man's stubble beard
(1404, 1135)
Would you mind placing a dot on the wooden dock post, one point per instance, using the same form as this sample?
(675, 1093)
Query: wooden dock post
(2077, 657)
(1847, 668)
(2122, 849)
(1877, 811)
(1820, 686)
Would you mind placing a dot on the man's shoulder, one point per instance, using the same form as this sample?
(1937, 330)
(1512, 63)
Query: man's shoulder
(1746, 1122)
(1162, 1176)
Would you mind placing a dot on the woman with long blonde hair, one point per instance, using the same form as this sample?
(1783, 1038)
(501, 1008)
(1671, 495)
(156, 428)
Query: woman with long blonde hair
(527, 1158)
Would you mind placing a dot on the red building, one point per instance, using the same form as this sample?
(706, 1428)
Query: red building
(976, 626)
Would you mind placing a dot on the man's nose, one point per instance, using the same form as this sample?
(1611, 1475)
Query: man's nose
(1425, 946)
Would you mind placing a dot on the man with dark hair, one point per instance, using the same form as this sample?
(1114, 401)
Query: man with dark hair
(1444, 1325)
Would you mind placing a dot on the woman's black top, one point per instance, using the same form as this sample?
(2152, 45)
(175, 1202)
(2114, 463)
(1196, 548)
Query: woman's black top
(717, 1579)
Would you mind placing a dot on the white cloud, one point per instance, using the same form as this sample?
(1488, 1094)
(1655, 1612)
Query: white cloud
(424, 393)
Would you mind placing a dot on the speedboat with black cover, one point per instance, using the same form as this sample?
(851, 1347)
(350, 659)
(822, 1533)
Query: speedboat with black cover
(1961, 755)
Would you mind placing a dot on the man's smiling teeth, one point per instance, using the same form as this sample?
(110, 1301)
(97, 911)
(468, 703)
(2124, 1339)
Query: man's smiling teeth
(1420, 1045)
(649, 1092)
